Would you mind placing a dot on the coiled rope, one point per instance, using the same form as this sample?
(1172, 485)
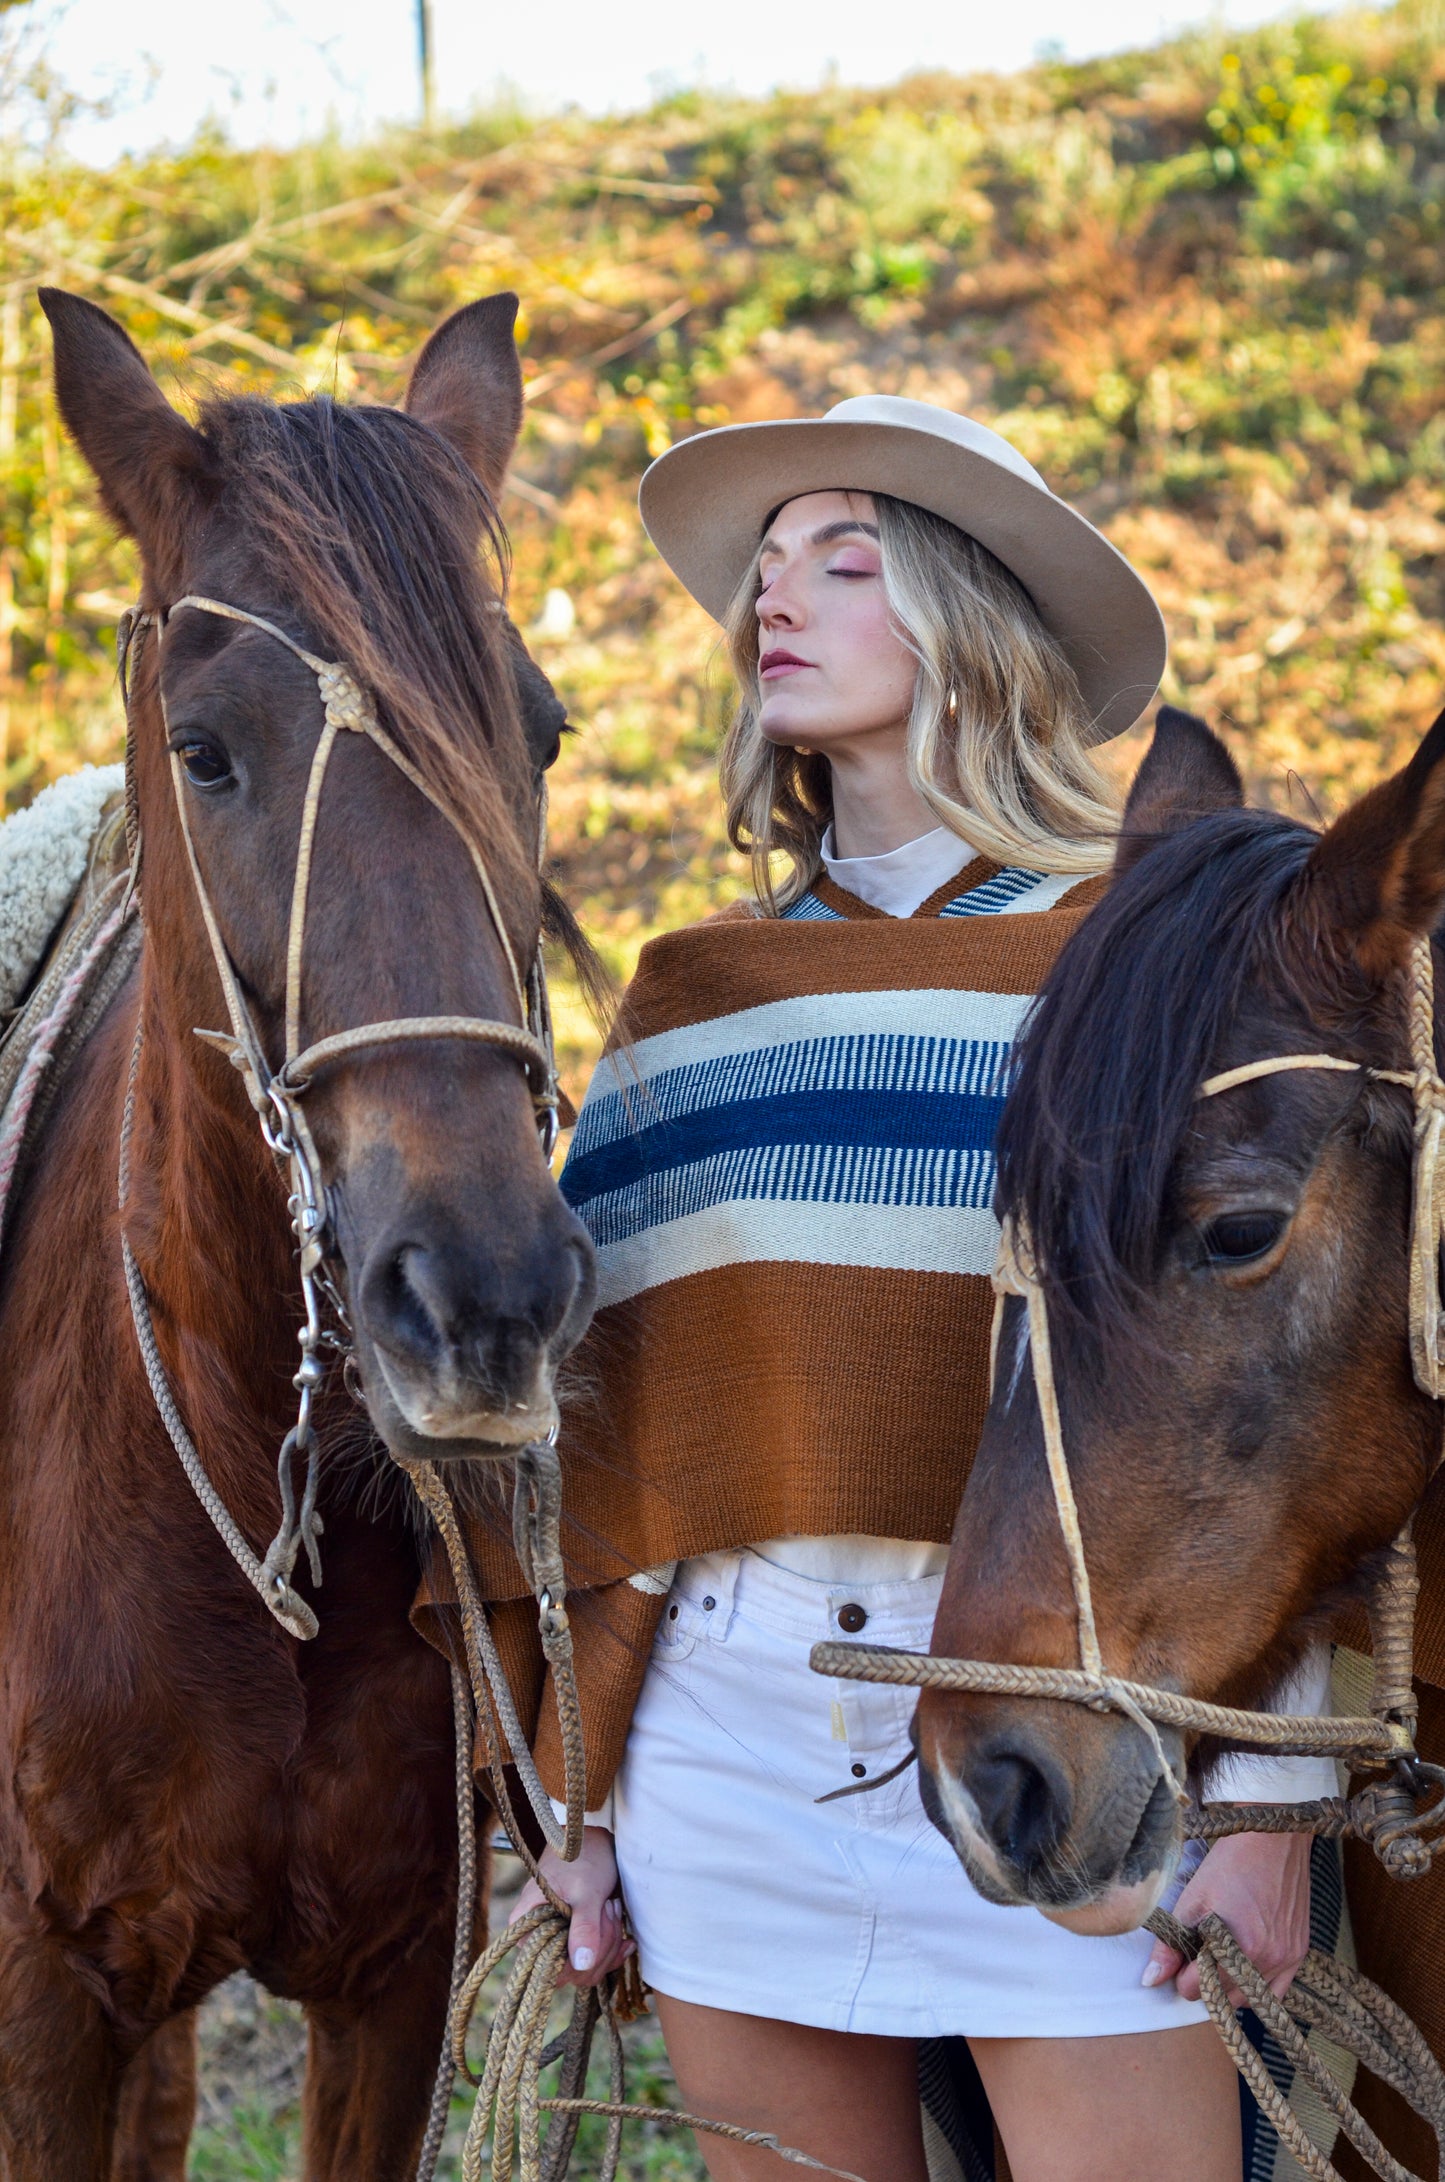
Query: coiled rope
(510, 2103)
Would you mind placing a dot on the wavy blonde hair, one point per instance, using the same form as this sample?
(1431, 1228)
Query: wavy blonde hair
(998, 735)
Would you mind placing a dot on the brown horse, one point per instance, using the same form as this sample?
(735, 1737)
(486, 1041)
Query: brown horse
(1227, 1281)
(185, 1789)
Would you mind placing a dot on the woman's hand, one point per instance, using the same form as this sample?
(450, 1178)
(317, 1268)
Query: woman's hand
(1260, 1885)
(597, 1940)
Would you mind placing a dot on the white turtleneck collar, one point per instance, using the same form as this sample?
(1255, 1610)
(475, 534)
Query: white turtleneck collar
(899, 880)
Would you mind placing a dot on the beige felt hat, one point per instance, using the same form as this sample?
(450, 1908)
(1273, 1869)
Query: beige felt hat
(705, 502)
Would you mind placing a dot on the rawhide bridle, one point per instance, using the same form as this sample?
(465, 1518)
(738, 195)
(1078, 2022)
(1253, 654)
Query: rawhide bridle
(277, 1094)
(1385, 1814)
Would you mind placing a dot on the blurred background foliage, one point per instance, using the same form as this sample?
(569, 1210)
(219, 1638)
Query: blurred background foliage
(1200, 286)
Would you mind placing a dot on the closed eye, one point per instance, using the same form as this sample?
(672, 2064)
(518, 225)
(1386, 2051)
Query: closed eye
(1236, 1237)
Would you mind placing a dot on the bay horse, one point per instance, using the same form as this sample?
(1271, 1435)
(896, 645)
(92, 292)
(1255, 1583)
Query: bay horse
(185, 1789)
(1227, 1281)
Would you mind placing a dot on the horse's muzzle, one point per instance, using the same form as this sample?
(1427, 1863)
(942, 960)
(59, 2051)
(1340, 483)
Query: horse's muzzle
(458, 1344)
(1082, 1826)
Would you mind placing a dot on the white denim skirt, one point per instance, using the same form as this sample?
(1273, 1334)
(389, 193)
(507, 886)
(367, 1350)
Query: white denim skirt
(746, 1893)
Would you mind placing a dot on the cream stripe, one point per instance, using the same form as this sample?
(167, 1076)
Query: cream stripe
(898, 1238)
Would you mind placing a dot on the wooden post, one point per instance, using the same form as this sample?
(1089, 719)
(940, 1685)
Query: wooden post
(10, 328)
(424, 62)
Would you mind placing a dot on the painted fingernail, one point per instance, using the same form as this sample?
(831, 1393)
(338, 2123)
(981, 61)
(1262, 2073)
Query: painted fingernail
(582, 1958)
(1153, 1974)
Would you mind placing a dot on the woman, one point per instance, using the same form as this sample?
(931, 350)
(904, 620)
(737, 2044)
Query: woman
(788, 1171)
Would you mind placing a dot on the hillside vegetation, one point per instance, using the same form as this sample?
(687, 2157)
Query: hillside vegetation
(1201, 287)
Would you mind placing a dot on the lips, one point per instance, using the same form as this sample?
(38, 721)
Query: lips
(777, 663)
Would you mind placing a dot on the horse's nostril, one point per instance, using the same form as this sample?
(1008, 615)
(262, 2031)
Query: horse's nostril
(1023, 1805)
(409, 1309)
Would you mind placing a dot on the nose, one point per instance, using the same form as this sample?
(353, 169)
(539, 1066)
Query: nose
(777, 609)
(467, 1333)
(1023, 1802)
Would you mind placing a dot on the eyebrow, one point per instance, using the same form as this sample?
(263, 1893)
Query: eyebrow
(826, 536)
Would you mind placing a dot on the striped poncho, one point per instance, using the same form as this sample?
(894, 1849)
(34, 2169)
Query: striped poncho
(786, 1165)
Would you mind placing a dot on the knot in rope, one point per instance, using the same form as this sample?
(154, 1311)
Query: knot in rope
(348, 705)
(1384, 1815)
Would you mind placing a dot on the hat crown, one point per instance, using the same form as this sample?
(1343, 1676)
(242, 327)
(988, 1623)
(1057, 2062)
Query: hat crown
(897, 409)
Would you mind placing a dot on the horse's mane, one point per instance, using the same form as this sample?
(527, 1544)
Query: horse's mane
(1106, 1073)
(372, 523)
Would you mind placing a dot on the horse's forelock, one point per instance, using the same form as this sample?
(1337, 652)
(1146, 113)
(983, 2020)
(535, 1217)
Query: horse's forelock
(1106, 1074)
(373, 527)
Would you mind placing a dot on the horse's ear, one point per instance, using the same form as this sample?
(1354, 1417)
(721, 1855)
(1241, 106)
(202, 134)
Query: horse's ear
(1186, 774)
(1378, 874)
(147, 460)
(467, 385)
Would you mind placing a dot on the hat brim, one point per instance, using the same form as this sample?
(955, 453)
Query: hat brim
(705, 501)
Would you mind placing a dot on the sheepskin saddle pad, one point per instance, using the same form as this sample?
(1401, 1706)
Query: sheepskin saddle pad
(44, 856)
(68, 940)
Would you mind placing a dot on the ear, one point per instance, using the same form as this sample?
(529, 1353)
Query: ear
(1378, 875)
(467, 385)
(1186, 774)
(147, 460)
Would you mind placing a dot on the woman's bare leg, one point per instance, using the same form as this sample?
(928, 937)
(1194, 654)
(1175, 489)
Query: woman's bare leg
(1161, 2103)
(837, 2095)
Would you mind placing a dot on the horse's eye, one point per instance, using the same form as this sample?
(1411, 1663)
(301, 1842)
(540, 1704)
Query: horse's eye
(1237, 1236)
(205, 765)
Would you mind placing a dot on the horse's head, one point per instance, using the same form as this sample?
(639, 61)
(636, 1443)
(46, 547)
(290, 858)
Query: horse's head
(1227, 1286)
(358, 532)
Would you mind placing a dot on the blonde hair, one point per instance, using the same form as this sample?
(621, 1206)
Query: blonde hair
(997, 738)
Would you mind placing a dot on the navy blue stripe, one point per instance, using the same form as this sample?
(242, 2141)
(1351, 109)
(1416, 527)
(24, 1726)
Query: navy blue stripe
(905, 1119)
(902, 1061)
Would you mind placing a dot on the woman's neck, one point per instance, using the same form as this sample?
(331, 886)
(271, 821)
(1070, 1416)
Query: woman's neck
(875, 804)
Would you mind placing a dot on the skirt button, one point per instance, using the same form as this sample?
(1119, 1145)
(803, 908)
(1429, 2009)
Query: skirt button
(852, 1618)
